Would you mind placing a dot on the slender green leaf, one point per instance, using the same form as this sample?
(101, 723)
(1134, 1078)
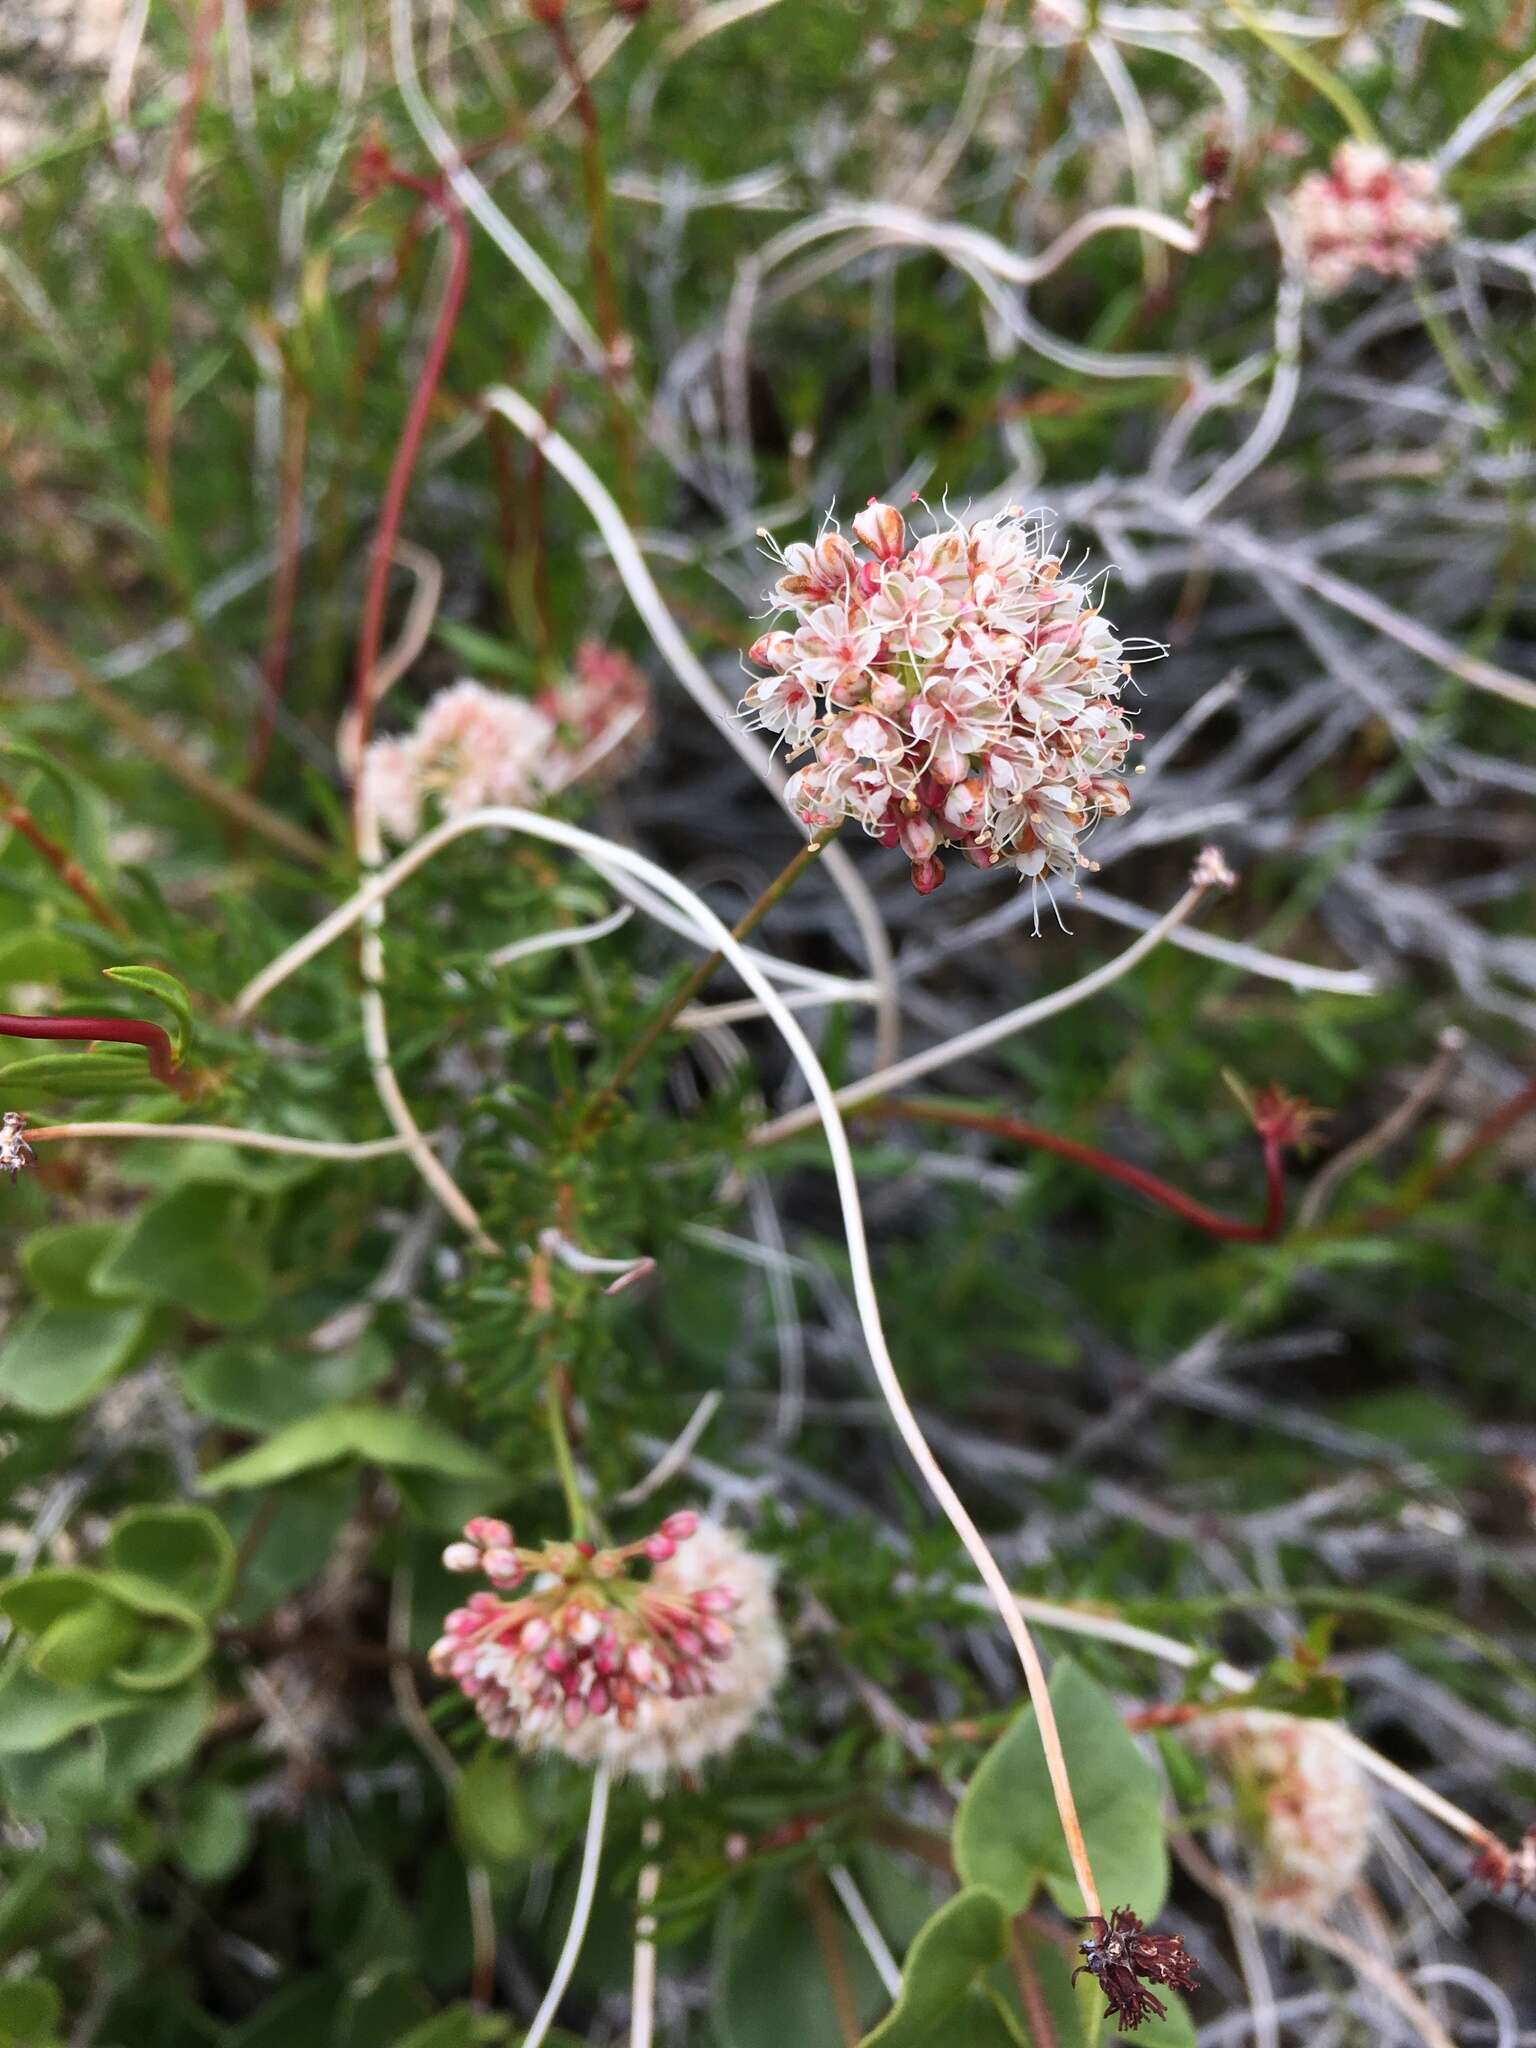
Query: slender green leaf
(377, 1436)
(175, 995)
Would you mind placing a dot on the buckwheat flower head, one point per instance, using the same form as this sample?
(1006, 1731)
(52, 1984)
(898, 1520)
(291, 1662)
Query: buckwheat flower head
(471, 746)
(602, 708)
(584, 1656)
(1368, 211)
(958, 690)
(1304, 1805)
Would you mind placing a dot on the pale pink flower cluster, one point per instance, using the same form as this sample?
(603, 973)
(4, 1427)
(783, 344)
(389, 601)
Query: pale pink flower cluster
(1303, 1803)
(602, 707)
(474, 746)
(959, 689)
(649, 1675)
(1369, 211)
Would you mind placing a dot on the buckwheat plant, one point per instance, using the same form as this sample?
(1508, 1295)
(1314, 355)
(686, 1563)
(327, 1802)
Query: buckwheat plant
(955, 690)
(473, 745)
(650, 1671)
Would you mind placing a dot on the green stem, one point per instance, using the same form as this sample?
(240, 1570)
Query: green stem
(1306, 66)
(565, 1463)
(1462, 374)
(672, 1006)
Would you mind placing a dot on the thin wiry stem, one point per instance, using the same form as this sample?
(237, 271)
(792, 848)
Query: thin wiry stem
(605, 852)
(229, 1134)
(402, 467)
(642, 1994)
(696, 680)
(581, 1912)
(1269, 1225)
(888, 1079)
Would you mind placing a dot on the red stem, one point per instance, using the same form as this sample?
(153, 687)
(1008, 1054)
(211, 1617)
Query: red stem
(371, 630)
(173, 204)
(68, 870)
(154, 1038)
(1269, 1226)
(1498, 1124)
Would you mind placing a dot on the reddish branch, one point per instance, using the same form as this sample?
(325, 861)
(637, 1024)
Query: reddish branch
(68, 870)
(376, 170)
(1494, 1128)
(1279, 1121)
(154, 1038)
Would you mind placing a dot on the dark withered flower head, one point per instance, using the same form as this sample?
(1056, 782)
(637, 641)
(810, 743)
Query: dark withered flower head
(1496, 1866)
(1120, 1952)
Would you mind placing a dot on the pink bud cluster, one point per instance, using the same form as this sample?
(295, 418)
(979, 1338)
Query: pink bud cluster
(474, 746)
(603, 705)
(954, 690)
(591, 1659)
(1368, 211)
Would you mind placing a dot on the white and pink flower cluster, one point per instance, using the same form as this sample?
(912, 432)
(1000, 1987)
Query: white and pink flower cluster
(1303, 1803)
(646, 1674)
(959, 689)
(1368, 211)
(474, 746)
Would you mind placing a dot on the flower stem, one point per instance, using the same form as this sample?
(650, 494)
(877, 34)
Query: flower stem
(371, 628)
(1209, 1220)
(565, 1463)
(672, 1006)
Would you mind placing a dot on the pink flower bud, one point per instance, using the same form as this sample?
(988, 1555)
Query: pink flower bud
(882, 530)
(462, 1622)
(489, 1533)
(598, 1700)
(773, 650)
(680, 1526)
(641, 1665)
(919, 838)
(927, 875)
(659, 1548)
(502, 1567)
(717, 1600)
(583, 1625)
(535, 1635)
(575, 1711)
(461, 1557)
(483, 1603)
